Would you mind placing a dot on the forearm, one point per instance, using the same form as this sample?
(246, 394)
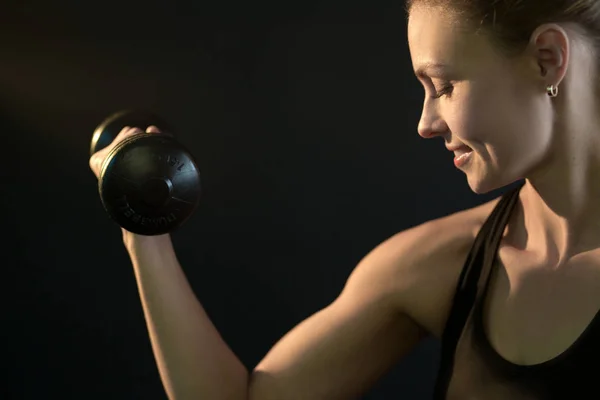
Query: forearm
(193, 360)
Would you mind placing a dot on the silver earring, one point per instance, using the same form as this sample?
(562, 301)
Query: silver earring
(552, 90)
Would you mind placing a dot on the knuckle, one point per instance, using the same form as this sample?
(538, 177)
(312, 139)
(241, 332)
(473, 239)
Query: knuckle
(132, 131)
(95, 165)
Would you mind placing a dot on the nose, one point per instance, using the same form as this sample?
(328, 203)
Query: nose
(431, 124)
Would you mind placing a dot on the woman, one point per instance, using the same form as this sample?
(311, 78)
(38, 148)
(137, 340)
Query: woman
(512, 286)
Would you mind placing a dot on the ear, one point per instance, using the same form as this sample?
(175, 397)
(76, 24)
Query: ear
(550, 48)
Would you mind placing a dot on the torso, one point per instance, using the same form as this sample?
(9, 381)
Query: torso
(534, 312)
(531, 335)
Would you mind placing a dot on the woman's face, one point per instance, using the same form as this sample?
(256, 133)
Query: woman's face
(492, 104)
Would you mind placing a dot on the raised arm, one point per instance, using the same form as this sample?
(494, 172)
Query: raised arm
(397, 294)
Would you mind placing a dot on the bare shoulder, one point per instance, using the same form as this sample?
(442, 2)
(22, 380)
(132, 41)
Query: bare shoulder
(397, 293)
(420, 267)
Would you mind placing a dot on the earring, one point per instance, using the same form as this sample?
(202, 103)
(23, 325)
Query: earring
(552, 90)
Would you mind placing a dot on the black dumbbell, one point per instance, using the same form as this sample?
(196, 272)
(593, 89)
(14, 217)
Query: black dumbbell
(149, 183)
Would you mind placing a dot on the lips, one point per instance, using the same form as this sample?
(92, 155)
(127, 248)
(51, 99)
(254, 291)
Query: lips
(462, 151)
(462, 156)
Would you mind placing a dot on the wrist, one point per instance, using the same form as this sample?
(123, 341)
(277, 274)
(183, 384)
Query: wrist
(134, 241)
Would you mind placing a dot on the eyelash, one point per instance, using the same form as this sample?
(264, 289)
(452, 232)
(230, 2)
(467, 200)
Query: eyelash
(446, 89)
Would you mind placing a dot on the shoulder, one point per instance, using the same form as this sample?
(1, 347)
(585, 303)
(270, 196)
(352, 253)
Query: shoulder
(417, 270)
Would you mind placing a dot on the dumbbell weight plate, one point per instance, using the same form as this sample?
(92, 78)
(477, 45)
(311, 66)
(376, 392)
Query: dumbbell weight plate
(149, 184)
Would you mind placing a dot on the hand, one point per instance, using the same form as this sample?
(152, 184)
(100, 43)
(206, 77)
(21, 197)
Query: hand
(97, 159)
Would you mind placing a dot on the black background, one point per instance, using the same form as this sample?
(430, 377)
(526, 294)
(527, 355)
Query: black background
(302, 117)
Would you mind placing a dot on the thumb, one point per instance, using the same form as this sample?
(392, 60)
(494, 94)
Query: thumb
(152, 129)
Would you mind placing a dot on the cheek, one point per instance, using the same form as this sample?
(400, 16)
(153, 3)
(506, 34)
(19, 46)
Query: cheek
(500, 121)
(525, 129)
(473, 115)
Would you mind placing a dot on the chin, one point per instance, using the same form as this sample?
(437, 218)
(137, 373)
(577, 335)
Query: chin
(483, 181)
(481, 187)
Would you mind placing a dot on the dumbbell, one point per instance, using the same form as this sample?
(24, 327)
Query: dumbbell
(149, 184)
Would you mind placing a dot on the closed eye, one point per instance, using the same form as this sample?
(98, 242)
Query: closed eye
(445, 90)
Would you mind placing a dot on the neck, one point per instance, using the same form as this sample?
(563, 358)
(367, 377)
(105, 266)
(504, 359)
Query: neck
(561, 199)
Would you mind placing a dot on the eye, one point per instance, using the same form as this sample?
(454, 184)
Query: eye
(445, 90)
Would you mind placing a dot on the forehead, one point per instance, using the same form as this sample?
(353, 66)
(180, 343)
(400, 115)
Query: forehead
(436, 36)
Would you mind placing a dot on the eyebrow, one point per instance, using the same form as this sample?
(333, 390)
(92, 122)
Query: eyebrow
(430, 66)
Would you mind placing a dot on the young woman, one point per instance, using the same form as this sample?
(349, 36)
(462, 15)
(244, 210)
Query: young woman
(512, 287)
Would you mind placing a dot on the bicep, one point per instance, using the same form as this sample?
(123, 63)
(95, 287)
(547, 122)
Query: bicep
(339, 352)
(401, 290)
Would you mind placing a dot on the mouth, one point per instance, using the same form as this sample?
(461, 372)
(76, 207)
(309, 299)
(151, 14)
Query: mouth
(462, 150)
(462, 155)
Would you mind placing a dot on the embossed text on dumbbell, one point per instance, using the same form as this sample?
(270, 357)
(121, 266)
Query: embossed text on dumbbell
(133, 216)
(172, 161)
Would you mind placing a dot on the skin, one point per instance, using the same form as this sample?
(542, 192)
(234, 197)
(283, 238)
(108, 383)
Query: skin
(498, 106)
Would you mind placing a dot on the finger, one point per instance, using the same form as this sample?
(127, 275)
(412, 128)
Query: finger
(131, 131)
(152, 129)
(96, 162)
(122, 133)
(126, 132)
(97, 159)
(135, 131)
